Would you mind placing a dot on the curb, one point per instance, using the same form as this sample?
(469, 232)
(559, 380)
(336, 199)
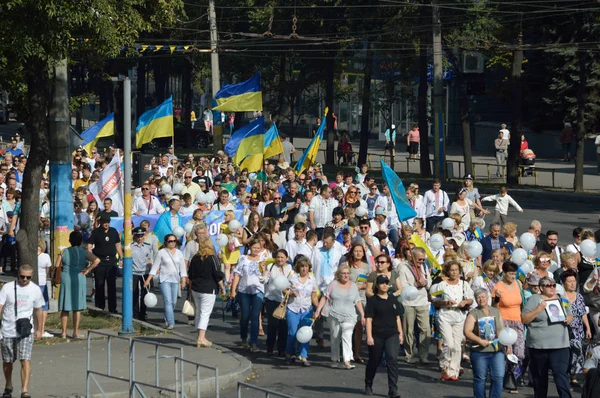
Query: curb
(207, 385)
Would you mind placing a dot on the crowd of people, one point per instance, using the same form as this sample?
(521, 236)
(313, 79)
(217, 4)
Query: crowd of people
(298, 250)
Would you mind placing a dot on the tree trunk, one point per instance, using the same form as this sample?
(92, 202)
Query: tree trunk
(329, 87)
(37, 95)
(422, 111)
(581, 104)
(366, 108)
(463, 102)
(512, 165)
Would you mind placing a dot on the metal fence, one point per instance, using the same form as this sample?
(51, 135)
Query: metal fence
(135, 386)
(268, 393)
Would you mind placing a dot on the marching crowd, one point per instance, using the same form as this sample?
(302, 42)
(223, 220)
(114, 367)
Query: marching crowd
(297, 254)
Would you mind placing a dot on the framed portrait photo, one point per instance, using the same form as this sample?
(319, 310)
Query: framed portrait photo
(555, 311)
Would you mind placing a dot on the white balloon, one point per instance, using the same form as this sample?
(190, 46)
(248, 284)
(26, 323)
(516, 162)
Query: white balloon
(436, 242)
(246, 219)
(200, 197)
(281, 282)
(208, 198)
(178, 231)
(409, 293)
(588, 248)
(361, 211)
(560, 290)
(553, 266)
(304, 334)
(177, 188)
(138, 192)
(188, 227)
(234, 225)
(448, 223)
(221, 240)
(150, 300)
(527, 241)
(507, 337)
(166, 188)
(474, 249)
(519, 256)
(363, 203)
(527, 267)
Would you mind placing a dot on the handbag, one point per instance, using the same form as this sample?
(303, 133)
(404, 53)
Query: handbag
(281, 310)
(23, 325)
(189, 306)
(510, 382)
(327, 306)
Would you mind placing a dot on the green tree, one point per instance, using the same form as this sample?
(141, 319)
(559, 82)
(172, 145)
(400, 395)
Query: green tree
(36, 36)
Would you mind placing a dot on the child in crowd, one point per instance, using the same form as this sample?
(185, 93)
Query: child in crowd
(503, 199)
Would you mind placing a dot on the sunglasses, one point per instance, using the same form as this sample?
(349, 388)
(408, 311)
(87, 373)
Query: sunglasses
(352, 192)
(27, 277)
(276, 198)
(544, 260)
(186, 177)
(172, 241)
(382, 262)
(145, 189)
(420, 260)
(553, 285)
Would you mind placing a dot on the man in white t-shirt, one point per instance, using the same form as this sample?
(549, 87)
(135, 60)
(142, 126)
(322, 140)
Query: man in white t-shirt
(16, 346)
(505, 135)
(288, 149)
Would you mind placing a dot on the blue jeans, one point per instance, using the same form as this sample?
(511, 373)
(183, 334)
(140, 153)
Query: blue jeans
(169, 291)
(294, 322)
(481, 363)
(394, 237)
(250, 306)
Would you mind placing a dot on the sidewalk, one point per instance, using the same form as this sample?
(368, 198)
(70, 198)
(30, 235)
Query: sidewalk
(59, 368)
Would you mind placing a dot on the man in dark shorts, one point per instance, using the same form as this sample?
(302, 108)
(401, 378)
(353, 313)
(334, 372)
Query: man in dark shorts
(105, 243)
(15, 345)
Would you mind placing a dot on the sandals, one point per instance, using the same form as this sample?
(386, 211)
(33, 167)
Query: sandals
(25, 395)
(7, 392)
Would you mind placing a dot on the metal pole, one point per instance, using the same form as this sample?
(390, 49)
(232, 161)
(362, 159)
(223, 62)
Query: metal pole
(438, 95)
(215, 72)
(127, 302)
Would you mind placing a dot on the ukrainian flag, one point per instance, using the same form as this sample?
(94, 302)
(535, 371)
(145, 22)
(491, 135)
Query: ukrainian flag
(251, 144)
(271, 146)
(240, 97)
(418, 242)
(104, 128)
(403, 208)
(250, 132)
(155, 123)
(310, 154)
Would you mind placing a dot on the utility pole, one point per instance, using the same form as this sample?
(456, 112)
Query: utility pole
(127, 301)
(438, 96)
(61, 192)
(215, 72)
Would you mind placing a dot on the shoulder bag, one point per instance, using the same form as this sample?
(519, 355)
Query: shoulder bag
(281, 310)
(23, 325)
(189, 307)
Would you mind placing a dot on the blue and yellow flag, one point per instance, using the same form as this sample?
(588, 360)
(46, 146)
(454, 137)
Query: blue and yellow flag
(256, 127)
(310, 153)
(403, 208)
(432, 262)
(251, 144)
(155, 123)
(104, 128)
(240, 97)
(271, 146)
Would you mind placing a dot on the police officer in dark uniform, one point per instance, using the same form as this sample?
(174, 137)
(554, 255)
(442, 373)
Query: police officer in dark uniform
(141, 252)
(104, 243)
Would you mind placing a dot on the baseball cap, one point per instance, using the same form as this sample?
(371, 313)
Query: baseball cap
(382, 280)
(380, 211)
(139, 231)
(104, 218)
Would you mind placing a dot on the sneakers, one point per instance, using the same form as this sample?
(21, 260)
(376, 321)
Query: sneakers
(412, 360)
(245, 344)
(253, 348)
(47, 335)
(368, 390)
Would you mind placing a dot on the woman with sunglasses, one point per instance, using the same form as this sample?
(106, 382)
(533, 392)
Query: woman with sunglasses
(548, 342)
(342, 302)
(541, 263)
(507, 296)
(352, 198)
(383, 266)
(170, 268)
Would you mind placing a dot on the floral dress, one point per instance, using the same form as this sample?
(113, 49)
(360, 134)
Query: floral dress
(577, 354)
